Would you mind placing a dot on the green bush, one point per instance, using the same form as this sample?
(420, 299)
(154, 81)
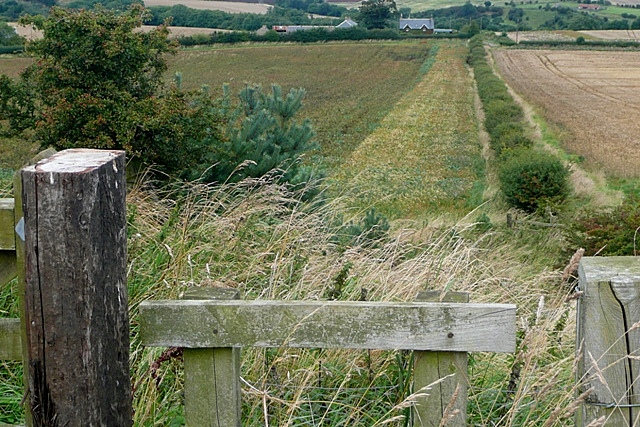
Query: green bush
(501, 111)
(609, 232)
(509, 136)
(532, 179)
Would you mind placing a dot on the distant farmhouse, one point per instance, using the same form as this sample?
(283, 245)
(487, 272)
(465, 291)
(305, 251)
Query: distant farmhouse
(427, 25)
(347, 23)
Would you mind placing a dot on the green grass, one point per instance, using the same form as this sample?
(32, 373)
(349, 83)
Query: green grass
(350, 86)
(406, 102)
(425, 156)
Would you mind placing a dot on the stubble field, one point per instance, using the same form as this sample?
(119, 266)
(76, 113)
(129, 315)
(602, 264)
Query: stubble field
(593, 97)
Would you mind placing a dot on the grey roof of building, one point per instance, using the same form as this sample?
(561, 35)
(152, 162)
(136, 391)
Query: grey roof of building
(347, 23)
(417, 24)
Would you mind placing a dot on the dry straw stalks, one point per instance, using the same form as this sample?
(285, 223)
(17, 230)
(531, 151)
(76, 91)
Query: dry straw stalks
(258, 237)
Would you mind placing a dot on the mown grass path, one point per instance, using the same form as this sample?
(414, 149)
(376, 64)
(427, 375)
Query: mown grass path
(425, 155)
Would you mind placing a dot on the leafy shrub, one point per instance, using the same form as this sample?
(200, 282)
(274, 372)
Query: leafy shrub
(500, 111)
(609, 232)
(532, 179)
(509, 136)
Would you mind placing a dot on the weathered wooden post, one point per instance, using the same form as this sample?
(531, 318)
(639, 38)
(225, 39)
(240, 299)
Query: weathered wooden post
(608, 341)
(75, 294)
(447, 399)
(212, 375)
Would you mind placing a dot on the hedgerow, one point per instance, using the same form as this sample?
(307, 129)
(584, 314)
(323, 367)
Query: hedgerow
(528, 179)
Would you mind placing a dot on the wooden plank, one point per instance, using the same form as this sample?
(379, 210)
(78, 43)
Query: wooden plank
(17, 193)
(75, 295)
(329, 324)
(8, 268)
(212, 375)
(212, 387)
(10, 342)
(7, 224)
(448, 398)
(609, 343)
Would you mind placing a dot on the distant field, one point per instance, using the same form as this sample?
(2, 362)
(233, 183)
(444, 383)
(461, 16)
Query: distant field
(613, 34)
(225, 6)
(567, 35)
(32, 34)
(592, 95)
(350, 86)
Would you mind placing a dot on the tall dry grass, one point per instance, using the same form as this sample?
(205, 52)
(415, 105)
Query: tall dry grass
(259, 237)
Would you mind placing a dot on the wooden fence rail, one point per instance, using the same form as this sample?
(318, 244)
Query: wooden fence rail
(216, 324)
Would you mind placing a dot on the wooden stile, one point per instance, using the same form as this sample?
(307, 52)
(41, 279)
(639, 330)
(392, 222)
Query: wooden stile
(205, 324)
(75, 294)
(608, 341)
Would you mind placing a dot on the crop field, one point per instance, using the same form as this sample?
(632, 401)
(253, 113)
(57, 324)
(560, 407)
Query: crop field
(592, 96)
(350, 86)
(425, 153)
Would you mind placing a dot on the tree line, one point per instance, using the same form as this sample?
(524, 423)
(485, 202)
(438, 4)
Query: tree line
(98, 83)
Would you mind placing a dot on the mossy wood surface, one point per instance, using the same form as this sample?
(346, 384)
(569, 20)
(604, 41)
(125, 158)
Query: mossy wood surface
(212, 376)
(10, 342)
(448, 398)
(8, 269)
(609, 340)
(17, 193)
(333, 324)
(7, 233)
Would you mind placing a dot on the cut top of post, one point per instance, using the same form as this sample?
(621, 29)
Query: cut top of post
(329, 324)
(600, 269)
(75, 160)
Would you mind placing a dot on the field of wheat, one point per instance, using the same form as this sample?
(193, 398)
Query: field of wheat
(592, 97)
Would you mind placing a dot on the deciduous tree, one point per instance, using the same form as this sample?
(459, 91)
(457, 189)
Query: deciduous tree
(377, 13)
(97, 83)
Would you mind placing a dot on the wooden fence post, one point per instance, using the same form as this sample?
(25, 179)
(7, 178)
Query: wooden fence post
(75, 290)
(608, 340)
(449, 397)
(212, 375)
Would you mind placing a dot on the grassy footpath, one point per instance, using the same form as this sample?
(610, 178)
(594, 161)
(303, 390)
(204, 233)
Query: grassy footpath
(425, 157)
